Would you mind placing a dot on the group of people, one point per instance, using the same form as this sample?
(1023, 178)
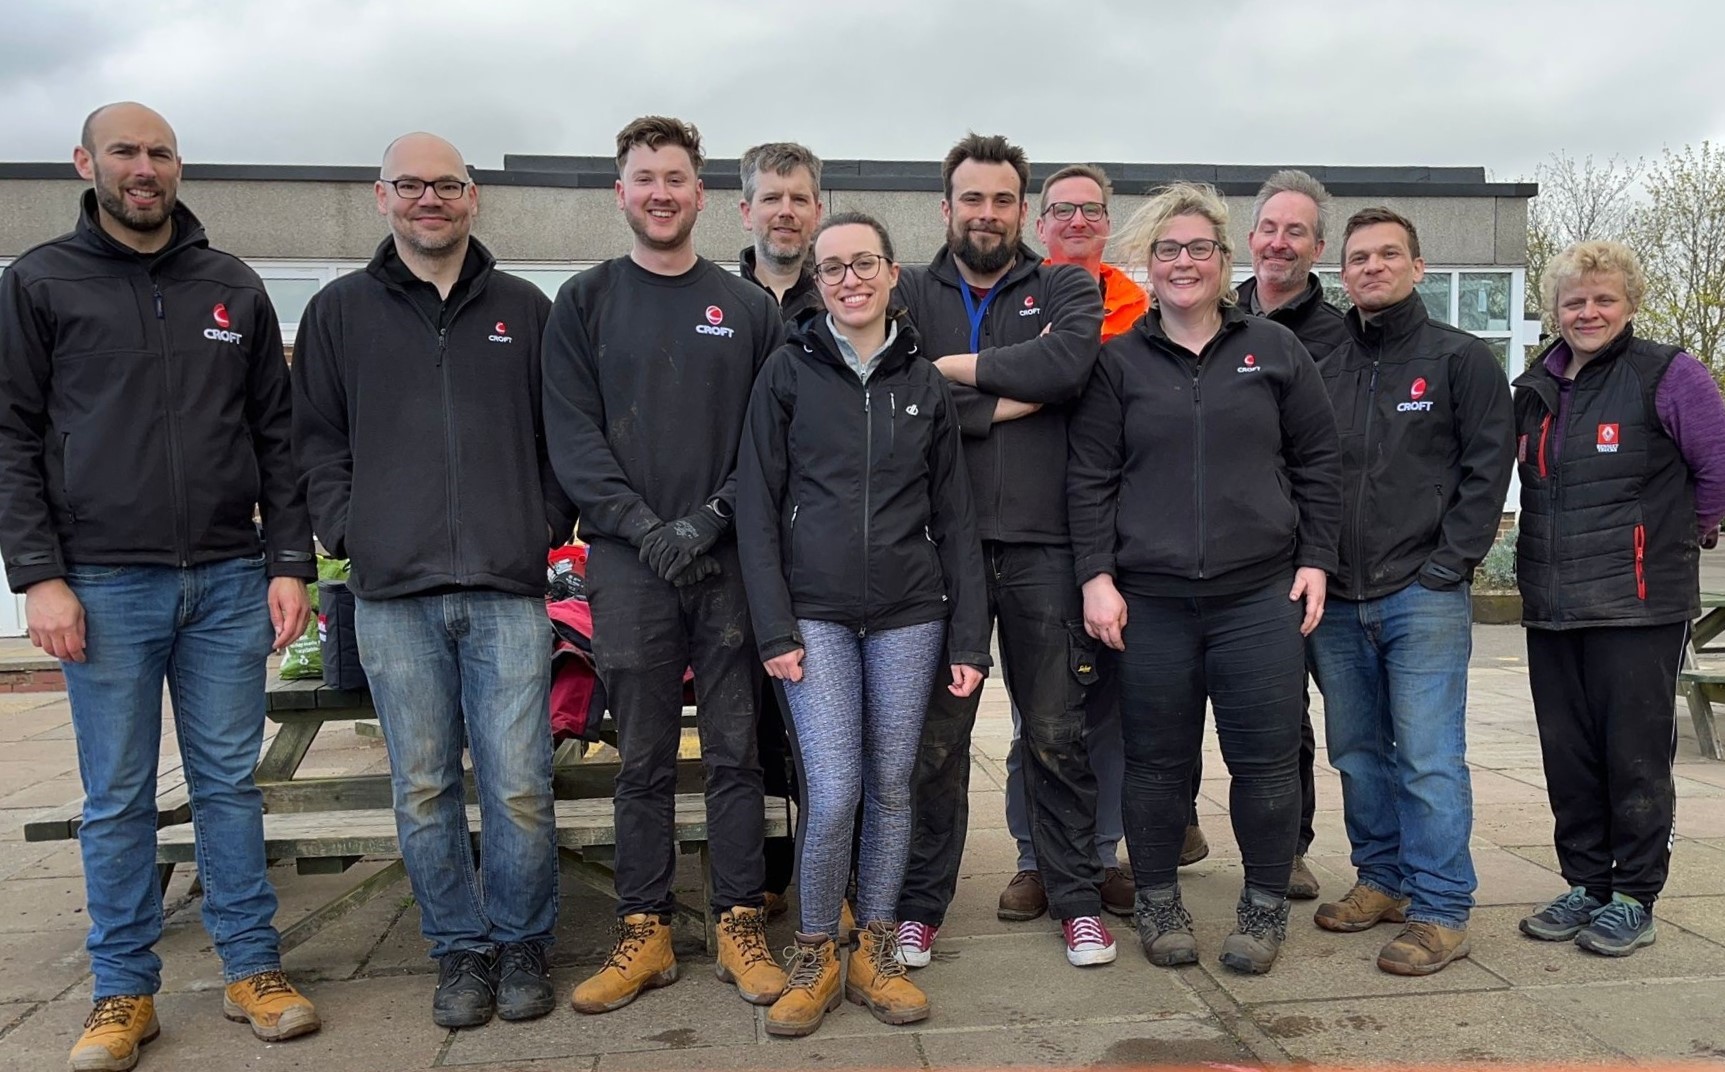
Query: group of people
(833, 486)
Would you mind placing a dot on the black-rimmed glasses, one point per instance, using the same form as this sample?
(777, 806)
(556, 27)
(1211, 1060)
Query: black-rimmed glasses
(1201, 249)
(864, 266)
(1063, 210)
(414, 189)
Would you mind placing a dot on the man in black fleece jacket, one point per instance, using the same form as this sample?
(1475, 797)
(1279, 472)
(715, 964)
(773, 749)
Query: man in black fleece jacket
(418, 430)
(649, 361)
(1019, 338)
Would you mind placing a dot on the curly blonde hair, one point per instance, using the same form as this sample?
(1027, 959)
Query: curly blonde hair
(1180, 199)
(1596, 258)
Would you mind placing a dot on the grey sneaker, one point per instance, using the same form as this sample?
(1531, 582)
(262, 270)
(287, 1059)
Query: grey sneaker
(1618, 929)
(1258, 937)
(1165, 927)
(1563, 918)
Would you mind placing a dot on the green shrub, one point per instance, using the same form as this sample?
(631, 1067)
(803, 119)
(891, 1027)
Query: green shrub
(1497, 572)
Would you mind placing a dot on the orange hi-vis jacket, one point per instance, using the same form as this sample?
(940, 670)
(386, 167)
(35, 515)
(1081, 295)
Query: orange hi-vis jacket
(1123, 301)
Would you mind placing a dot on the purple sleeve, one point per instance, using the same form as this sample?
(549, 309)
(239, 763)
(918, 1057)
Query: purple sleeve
(1693, 414)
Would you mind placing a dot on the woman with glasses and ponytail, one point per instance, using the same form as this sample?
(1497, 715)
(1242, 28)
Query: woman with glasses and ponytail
(1204, 495)
(865, 581)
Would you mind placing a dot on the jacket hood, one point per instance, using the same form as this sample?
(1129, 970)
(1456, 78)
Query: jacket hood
(188, 231)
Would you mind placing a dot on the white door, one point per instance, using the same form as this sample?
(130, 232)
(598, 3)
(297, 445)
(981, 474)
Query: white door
(11, 609)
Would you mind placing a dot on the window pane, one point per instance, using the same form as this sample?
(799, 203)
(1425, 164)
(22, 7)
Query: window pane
(1484, 301)
(1500, 347)
(1333, 292)
(290, 296)
(547, 279)
(1435, 288)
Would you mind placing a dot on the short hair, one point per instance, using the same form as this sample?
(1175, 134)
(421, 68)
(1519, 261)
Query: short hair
(1292, 181)
(1180, 199)
(1367, 217)
(1595, 257)
(1075, 171)
(985, 149)
(863, 219)
(657, 131)
(780, 158)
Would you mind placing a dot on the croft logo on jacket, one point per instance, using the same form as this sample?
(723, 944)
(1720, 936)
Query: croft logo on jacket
(220, 332)
(1030, 307)
(1249, 363)
(1607, 443)
(1417, 392)
(715, 317)
(500, 333)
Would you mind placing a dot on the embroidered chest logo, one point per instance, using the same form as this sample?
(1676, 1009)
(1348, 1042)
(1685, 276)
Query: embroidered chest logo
(911, 410)
(1607, 441)
(500, 333)
(1249, 363)
(1416, 393)
(714, 324)
(220, 332)
(1030, 307)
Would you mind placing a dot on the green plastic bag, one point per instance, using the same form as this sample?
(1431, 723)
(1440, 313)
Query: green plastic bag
(304, 657)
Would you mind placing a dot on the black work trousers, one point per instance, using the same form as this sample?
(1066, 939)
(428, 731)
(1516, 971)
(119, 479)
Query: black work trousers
(1605, 701)
(646, 632)
(1048, 660)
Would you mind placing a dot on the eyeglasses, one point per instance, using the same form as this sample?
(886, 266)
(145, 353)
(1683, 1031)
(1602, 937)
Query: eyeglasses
(1201, 249)
(865, 266)
(1063, 210)
(414, 189)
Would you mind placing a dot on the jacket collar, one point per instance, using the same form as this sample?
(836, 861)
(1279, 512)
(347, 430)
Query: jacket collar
(802, 289)
(816, 339)
(945, 268)
(1302, 304)
(380, 264)
(188, 232)
(1547, 368)
(1150, 326)
(1400, 321)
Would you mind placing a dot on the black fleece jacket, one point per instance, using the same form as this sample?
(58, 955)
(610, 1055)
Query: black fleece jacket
(422, 450)
(852, 502)
(1017, 468)
(1316, 322)
(1428, 440)
(144, 409)
(1204, 474)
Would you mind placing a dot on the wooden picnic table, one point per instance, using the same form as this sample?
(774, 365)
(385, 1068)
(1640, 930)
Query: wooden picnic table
(1700, 686)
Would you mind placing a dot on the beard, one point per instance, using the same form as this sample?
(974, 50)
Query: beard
(639, 223)
(983, 261)
(434, 246)
(1283, 273)
(112, 198)
(781, 256)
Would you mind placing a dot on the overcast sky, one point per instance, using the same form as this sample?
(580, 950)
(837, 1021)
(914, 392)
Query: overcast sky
(1443, 82)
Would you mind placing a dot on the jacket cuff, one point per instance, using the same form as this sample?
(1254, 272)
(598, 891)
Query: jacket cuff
(639, 521)
(1317, 560)
(772, 649)
(1094, 566)
(20, 578)
(277, 567)
(979, 659)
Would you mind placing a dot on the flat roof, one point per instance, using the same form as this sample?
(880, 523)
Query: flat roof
(599, 172)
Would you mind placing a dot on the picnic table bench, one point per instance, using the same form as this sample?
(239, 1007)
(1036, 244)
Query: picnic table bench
(1701, 687)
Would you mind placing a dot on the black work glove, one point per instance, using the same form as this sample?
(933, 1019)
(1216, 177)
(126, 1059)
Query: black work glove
(700, 569)
(669, 549)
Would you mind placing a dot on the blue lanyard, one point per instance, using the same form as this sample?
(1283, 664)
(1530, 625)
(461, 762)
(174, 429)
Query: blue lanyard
(975, 311)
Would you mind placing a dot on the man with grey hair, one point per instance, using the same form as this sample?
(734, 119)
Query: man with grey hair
(418, 429)
(781, 208)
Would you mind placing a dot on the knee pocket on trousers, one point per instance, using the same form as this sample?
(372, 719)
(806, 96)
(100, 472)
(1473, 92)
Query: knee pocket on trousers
(1082, 652)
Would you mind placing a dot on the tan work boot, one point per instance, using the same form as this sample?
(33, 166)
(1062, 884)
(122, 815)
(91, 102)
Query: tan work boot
(113, 1031)
(1302, 884)
(641, 960)
(269, 1003)
(1361, 909)
(812, 990)
(1195, 847)
(1423, 948)
(744, 958)
(876, 978)
(847, 924)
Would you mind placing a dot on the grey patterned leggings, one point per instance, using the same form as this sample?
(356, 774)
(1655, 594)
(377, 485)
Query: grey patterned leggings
(856, 718)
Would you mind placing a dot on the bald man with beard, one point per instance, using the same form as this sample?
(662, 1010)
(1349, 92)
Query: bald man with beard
(417, 427)
(145, 418)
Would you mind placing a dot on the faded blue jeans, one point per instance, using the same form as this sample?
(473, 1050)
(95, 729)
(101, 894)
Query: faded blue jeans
(206, 631)
(473, 664)
(1393, 672)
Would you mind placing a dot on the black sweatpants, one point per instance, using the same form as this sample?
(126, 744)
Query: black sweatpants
(1308, 780)
(1605, 701)
(645, 633)
(1047, 660)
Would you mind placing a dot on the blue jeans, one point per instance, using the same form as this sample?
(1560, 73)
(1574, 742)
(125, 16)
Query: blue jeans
(206, 630)
(1393, 672)
(474, 664)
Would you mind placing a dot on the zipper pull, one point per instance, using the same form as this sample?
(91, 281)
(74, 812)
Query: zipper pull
(160, 315)
(442, 344)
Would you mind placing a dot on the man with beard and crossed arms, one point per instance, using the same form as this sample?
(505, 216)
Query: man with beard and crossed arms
(1019, 338)
(649, 359)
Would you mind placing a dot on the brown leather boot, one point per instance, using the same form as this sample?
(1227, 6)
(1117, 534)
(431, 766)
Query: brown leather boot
(1024, 898)
(1361, 908)
(876, 978)
(1423, 948)
(1302, 884)
(113, 1032)
(1195, 847)
(811, 991)
(641, 960)
(744, 958)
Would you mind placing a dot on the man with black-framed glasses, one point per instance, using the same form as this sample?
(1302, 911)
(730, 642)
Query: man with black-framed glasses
(418, 428)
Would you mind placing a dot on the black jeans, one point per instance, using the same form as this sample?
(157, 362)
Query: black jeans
(1608, 733)
(778, 776)
(645, 634)
(1308, 780)
(1245, 655)
(1048, 660)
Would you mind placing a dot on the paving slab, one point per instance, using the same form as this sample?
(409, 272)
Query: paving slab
(1704, 916)
(30, 905)
(1499, 946)
(1680, 1021)
(775, 1055)
(1697, 867)
(1186, 1041)
(41, 965)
